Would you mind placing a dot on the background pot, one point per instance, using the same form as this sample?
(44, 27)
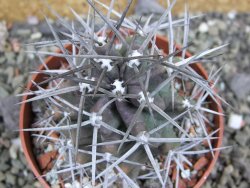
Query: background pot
(26, 115)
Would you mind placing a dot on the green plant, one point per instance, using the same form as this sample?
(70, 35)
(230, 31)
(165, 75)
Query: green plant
(125, 111)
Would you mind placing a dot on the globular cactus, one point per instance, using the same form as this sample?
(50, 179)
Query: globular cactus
(124, 111)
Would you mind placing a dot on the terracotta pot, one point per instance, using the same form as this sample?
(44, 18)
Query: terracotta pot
(26, 115)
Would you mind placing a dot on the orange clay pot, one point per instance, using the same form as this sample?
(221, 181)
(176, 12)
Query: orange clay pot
(26, 116)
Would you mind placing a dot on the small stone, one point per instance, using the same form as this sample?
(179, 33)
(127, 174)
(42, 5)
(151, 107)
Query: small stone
(248, 98)
(30, 177)
(85, 180)
(10, 57)
(222, 25)
(44, 29)
(244, 184)
(2, 59)
(148, 7)
(2, 176)
(247, 29)
(203, 28)
(10, 113)
(68, 185)
(22, 158)
(202, 162)
(16, 142)
(21, 182)
(13, 151)
(240, 85)
(5, 142)
(10, 73)
(222, 86)
(229, 169)
(25, 173)
(4, 156)
(14, 170)
(31, 56)
(32, 20)
(151, 183)
(3, 93)
(211, 23)
(17, 164)
(241, 137)
(235, 121)
(244, 109)
(11, 179)
(239, 153)
(17, 81)
(23, 32)
(4, 167)
(20, 58)
(246, 174)
(223, 180)
(36, 36)
(37, 185)
(15, 45)
(214, 31)
(9, 134)
(236, 173)
(17, 91)
(232, 14)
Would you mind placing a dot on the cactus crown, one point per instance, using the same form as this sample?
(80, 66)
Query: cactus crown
(123, 110)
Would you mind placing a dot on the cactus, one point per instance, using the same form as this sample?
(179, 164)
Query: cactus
(125, 111)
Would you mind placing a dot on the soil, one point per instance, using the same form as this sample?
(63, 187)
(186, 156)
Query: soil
(23, 9)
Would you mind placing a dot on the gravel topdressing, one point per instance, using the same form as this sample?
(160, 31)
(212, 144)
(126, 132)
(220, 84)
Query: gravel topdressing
(233, 167)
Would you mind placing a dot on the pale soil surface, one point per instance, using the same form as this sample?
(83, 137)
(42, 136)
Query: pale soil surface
(16, 10)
